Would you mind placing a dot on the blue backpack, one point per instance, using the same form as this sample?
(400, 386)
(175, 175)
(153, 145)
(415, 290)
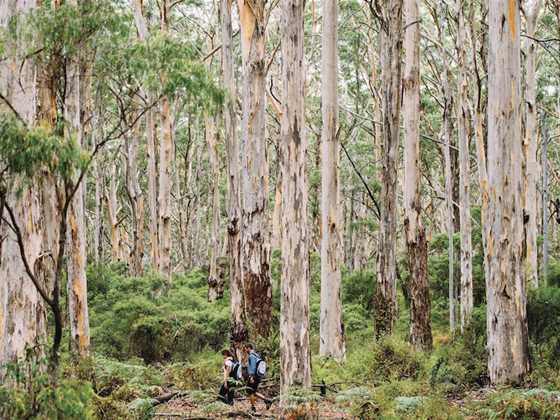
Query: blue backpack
(260, 365)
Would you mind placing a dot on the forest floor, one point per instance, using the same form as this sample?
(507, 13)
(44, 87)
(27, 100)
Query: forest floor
(183, 408)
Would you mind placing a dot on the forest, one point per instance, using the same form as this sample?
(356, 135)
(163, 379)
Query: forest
(279, 209)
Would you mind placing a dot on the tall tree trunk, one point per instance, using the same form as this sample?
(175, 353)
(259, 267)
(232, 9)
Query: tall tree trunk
(505, 287)
(295, 363)
(277, 216)
(97, 219)
(136, 201)
(166, 159)
(23, 316)
(255, 244)
(331, 328)
(113, 213)
(532, 11)
(447, 135)
(464, 172)
(545, 245)
(476, 107)
(215, 282)
(238, 328)
(165, 186)
(153, 225)
(420, 314)
(391, 46)
(151, 149)
(76, 231)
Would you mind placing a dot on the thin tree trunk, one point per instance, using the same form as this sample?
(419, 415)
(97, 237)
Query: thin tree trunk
(545, 245)
(238, 328)
(165, 186)
(276, 216)
(76, 231)
(113, 213)
(464, 173)
(420, 308)
(166, 159)
(152, 145)
(255, 243)
(215, 282)
(331, 327)
(532, 11)
(136, 201)
(295, 363)
(447, 134)
(391, 46)
(505, 287)
(97, 221)
(476, 107)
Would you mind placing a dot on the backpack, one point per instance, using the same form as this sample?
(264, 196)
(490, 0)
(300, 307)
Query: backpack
(261, 366)
(235, 372)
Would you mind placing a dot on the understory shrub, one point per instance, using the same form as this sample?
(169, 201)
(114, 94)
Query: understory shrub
(519, 404)
(394, 359)
(147, 318)
(543, 317)
(463, 362)
(29, 393)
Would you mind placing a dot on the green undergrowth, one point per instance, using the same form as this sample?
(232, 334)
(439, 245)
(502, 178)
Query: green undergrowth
(149, 336)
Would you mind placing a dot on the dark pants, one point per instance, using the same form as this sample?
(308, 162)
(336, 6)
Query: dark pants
(253, 384)
(226, 394)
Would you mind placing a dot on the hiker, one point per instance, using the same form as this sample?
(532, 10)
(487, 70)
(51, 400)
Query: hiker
(232, 371)
(256, 370)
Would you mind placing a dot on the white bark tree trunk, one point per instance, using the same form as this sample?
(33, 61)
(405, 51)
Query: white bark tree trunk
(153, 225)
(136, 201)
(215, 282)
(238, 328)
(295, 363)
(23, 314)
(97, 219)
(532, 11)
(447, 133)
(545, 245)
(331, 327)
(76, 285)
(166, 159)
(113, 214)
(505, 287)
(464, 172)
(420, 314)
(391, 46)
(255, 242)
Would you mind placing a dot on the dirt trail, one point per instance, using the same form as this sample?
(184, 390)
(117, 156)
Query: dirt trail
(184, 408)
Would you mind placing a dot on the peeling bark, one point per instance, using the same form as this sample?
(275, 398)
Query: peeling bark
(23, 315)
(391, 46)
(420, 307)
(76, 231)
(331, 327)
(508, 360)
(166, 159)
(532, 11)
(295, 363)
(136, 202)
(215, 282)
(255, 241)
(464, 173)
(238, 328)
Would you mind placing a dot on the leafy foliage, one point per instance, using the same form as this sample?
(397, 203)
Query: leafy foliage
(25, 151)
(141, 317)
